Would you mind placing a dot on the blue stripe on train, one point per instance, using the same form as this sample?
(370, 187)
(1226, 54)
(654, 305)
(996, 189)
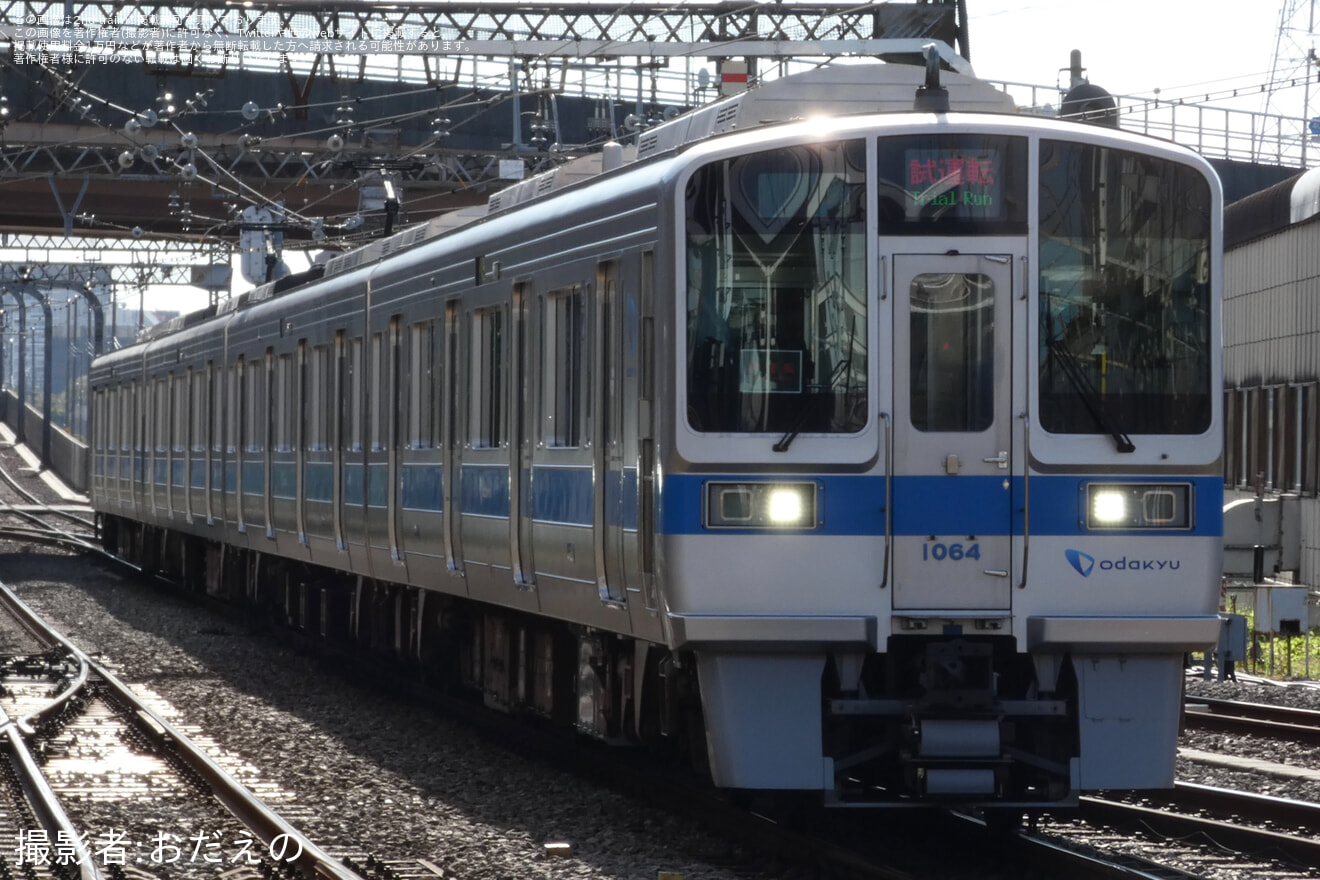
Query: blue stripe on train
(559, 494)
(942, 505)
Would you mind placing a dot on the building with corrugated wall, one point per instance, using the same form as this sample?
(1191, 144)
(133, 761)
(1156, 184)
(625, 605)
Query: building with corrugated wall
(1272, 350)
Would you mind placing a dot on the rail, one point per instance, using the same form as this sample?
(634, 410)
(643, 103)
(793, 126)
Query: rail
(249, 809)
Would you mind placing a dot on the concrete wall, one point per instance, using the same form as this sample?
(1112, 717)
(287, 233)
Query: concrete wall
(69, 457)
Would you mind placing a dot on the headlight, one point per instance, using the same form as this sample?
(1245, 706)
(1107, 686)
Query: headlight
(1138, 506)
(760, 505)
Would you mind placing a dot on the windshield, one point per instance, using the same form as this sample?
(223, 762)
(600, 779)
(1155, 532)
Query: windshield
(776, 291)
(1124, 292)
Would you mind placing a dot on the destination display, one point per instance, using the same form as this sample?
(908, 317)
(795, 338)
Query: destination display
(969, 185)
(952, 184)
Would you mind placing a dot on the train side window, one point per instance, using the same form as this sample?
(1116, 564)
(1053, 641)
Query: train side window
(489, 386)
(563, 344)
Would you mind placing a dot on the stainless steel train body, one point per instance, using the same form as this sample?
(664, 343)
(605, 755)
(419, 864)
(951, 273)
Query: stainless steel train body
(884, 451)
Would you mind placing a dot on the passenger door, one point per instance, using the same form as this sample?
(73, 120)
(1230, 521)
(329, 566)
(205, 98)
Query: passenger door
(953, 428)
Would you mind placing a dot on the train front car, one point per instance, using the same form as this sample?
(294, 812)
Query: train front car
(942, 513)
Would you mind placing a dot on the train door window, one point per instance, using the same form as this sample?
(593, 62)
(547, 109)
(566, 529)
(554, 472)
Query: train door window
(378, 392)
(435, 381)
(452, 370)
(356, 391)
(266, 417)
(199, 405)
(953, 352)
(319, 394)
(279, 406)
(563, 347)
(314, 401)
(339, 403)
(134, 433)
(125, 421)
(256, 410)
(99, 426)
(217, 407)
(300, 379)
(421, 386)
(285, 409)
(161, 416)
(392, 417)
(103, 419)
(232, 394)
(486, 420)
(132, 437)
(181, 421)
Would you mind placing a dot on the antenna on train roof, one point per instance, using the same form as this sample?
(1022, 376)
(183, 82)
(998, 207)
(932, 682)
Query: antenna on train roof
(932, 97)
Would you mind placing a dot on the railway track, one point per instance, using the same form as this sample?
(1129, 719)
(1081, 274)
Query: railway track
(1237, 821)
(1257, 719)
(97, 741)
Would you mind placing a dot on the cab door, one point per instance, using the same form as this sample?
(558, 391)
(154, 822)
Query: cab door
(953, 460)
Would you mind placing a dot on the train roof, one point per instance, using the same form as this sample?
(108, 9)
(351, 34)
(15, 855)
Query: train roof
(845, 90)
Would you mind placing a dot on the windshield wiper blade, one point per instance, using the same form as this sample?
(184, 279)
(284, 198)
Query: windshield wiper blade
(1076, 376)
(845, 370)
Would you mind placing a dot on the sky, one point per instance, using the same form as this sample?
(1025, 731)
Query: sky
(1133, 46)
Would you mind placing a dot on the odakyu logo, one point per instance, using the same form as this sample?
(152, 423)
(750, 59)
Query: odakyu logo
(1085, 563)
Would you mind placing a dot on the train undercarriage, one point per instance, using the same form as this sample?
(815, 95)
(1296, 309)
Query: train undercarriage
(945, 718)
(609, 687)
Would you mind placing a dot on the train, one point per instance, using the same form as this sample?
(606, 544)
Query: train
(856, 436)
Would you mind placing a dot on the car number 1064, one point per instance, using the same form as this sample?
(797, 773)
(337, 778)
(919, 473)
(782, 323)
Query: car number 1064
(954, 552)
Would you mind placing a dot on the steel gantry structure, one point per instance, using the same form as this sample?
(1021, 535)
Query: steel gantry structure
(149, 140)
(172, 117)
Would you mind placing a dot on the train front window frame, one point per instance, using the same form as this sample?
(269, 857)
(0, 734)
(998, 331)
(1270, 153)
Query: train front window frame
(1125, 292)
(778, 325)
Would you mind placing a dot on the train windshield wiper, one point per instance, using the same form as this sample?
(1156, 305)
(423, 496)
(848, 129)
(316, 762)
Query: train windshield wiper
(845, 370)
(1095, 405)
(791, 434)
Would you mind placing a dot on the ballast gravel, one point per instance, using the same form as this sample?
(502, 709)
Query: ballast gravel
(359, 771)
